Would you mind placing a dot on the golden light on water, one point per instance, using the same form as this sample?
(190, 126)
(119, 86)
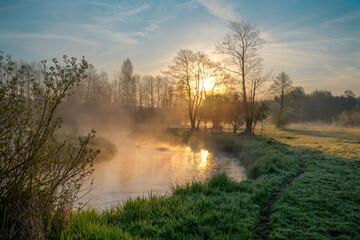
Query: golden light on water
(204, 157)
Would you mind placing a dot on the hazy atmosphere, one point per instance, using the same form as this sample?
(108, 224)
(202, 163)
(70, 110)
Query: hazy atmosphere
(316, 42)
(196, 119)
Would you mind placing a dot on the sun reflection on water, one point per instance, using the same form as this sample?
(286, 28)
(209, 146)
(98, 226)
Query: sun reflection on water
(204, 158)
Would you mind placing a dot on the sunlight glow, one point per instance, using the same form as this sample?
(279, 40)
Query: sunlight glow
(204, 158)
(210, 84)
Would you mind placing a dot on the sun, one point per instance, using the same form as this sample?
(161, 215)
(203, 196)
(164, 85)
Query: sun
(212, 83)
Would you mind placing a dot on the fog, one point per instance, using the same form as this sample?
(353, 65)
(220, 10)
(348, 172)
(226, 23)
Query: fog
(141, 166)
(140, 156)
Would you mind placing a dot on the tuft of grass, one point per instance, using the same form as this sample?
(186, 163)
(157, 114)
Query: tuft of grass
(90, 224)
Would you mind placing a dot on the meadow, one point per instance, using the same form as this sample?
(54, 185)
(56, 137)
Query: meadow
(302, 183)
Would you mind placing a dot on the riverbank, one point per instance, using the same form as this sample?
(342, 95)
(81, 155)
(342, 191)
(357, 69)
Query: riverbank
(309, 195)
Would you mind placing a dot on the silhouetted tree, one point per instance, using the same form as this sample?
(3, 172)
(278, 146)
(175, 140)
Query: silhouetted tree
(235, 112)
(280, 89)
(349, 93)
(128, 83)
(196, 77)
(241, 46)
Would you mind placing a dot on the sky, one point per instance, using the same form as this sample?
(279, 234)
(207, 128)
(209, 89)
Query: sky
(317, 43)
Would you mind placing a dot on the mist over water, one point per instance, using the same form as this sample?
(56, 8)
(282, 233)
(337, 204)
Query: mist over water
(142, 166)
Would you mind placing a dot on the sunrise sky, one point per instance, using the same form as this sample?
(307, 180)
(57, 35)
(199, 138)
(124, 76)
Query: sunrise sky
(316, 42)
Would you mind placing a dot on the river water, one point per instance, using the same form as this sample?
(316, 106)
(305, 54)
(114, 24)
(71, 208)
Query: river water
(140, 168)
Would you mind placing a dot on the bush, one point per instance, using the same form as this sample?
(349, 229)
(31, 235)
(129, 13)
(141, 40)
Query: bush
(280, 119)
(349, 118)
(40, 174)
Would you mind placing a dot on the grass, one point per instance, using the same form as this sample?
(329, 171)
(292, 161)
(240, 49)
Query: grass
(332, 141)
(323, 203)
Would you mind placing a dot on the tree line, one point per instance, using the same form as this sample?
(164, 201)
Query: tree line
(126, 89)
(292, 104)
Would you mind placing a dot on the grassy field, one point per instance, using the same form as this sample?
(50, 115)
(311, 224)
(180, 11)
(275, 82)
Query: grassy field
(321, 203)
(332, 141)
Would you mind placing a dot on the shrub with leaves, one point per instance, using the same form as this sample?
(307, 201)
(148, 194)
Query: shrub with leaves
(40, 173)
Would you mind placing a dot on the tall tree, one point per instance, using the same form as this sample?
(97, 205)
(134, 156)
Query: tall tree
(240, 46)
(280, 88)
(197, 78)
(128, 84)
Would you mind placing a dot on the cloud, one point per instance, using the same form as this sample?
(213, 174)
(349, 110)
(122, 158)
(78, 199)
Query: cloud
(346, 18)
(48, 36)
(111, 35)
(11, 7)
(119, 37)
(136, 10)
(220, 9)
(120, 16)
(155, 23)
(102, 4)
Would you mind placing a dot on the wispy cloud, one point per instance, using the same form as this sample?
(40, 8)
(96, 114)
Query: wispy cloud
(155, 23)
(102, 4)
(119, 37)
(109, 34)
(119, 15)
(220, 9)
(346, 18)
(48, 36)
(11, 7)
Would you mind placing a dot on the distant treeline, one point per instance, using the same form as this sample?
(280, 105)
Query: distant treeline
(322, 105)
(126, 89)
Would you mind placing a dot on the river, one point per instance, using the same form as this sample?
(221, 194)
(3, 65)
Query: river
(140, 168)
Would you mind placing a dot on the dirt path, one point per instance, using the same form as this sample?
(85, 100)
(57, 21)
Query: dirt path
(263, 229)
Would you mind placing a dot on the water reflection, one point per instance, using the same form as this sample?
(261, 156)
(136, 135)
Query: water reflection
(138, 169)
(204, 158)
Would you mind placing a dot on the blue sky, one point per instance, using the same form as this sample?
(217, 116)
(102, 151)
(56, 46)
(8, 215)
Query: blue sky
(316, 42)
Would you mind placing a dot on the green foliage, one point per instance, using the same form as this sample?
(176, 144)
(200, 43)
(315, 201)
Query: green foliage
(40, 175)
(280, 119)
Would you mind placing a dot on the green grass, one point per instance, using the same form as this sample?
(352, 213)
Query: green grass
(323, 203)
(335, 142)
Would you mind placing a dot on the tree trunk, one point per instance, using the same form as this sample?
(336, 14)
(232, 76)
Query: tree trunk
(248, 129)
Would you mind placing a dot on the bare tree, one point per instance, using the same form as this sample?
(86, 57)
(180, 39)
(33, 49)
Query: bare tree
(240, 47)
(197, 77)
(128, 84)
(280, 89)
